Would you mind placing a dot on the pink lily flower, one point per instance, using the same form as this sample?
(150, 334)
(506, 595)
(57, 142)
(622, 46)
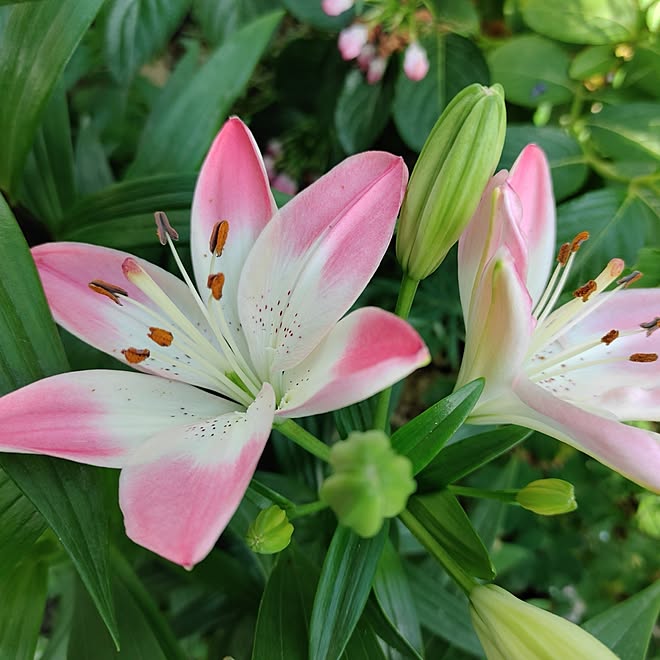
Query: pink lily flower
(261, 329)
(575, 372)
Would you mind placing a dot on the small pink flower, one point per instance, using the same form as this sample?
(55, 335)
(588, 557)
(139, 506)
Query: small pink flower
(351, 40)
(285, 184)
(336, 7)
(269, 164)
(376, 69)
(367, 54)
(415, 61)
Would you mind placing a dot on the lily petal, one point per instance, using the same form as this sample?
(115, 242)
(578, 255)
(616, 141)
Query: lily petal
(98, 417)
(315, 257)
(530, 178)
(367, 351)
(633, 452)
(185, 484)
(66, 270)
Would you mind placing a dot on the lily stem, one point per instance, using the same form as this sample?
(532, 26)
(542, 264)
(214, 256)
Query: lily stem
(508, 496)
(462, 579)
(300, 510)
(403, 304)
(303, 438)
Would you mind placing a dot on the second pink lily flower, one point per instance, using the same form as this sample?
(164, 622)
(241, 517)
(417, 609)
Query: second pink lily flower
(261, 329)
(576, 371)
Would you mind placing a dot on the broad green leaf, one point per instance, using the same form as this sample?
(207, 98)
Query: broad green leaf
(593, 60)
(424, 436)
(532, 70)
(68, 495)
(343, 589)
(144, 632)
(135, 30)
(20, 526)
(583, 21)
(447, 523)
(23, 598)
(567, 162)
(459, 459)
(179, 137)
(219, 19)
(38, 40)
(311, 12)
(454, 63)
(619, 223)
(362, 111)
(627, 627)
(643, 71)
(458, 16)
(92, 170)
(648, 263)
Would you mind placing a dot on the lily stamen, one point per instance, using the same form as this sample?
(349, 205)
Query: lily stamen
(164, 228)
(109, 290)
(643, 357)
(651, 326)
(136, 355)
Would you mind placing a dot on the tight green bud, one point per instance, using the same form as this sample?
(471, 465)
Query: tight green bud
(547, 497)
(370, 482)
(458, 158)
(270, 532)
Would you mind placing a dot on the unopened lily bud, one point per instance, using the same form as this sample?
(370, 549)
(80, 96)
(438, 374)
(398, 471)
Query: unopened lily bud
(270, 532)
(415, 61)
(547, 497)
(336, 7)
(509, 628)
(351, 40)
(370, 482)
(456, 162)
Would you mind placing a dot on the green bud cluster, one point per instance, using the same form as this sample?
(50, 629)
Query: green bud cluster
(270, 532)
(458, 158)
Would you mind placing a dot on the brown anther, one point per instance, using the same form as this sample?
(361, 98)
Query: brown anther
(160, 336)
(216, 283)
(629, 279)
(136, 355)
(219, 237)
(106, 289)
(578, 240)
(608, 338)
(585, 290)
(651, 326)
(643, 357)
(164, 228)
(564, 253)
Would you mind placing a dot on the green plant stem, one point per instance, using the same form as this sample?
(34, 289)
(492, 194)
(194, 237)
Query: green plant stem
(300, 510)
(508, 496)
(403, 304)
(270, 494)
(462, 579)
(303, 439)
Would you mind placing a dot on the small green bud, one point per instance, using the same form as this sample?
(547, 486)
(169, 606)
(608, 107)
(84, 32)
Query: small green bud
(547, 497)
(370, 482)
(458, 158)
(270, 532)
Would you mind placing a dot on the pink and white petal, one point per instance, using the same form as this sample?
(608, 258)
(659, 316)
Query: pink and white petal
(633, 452)
(98, 417)
(66, 269)
(232, 186)
(316, 256)
(185, 484)
(499, 328)
(530, 178)
(367, 351)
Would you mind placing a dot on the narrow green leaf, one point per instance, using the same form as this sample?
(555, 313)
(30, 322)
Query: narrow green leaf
(386, 629)
(92, 170)
(38, 40)
(179, 137)
(627, 627)
(344, 586)
(465, 456)
(446, 521)
(363, 644)
(23, 598)
(425, 435)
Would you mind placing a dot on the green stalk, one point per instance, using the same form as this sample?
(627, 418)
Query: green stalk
(508, 496)
(303, 438)
(403, 304)
(300, 510)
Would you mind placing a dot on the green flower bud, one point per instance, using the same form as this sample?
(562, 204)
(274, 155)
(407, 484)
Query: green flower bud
(509, 628)
(370, 482)
(547, 497)
(270, 532)
(458, 158)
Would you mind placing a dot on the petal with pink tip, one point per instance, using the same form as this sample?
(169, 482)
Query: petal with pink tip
(316, 256)
(185, 484)
(66, 269)
(232, 186)
(530, 178)
(99, 417)
(367, 351)
(631, 451)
